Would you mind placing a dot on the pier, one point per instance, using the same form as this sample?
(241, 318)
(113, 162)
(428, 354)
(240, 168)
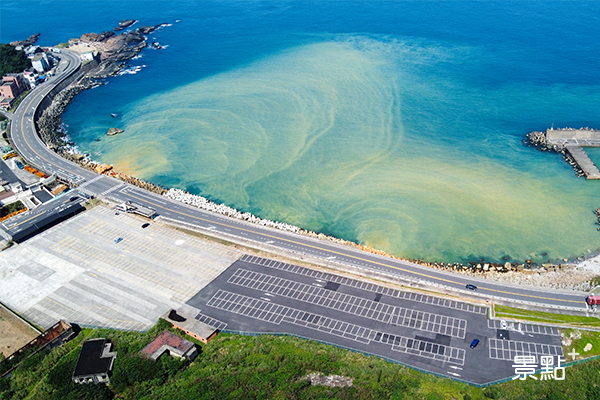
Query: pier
(571, 143)
(583, 161)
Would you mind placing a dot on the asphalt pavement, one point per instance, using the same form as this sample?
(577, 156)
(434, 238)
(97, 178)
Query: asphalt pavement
(434, 334)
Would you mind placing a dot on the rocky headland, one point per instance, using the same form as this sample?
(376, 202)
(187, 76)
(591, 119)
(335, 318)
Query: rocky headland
(112, 51)
(27, 42)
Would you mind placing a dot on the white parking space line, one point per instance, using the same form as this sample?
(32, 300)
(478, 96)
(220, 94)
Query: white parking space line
(429, 322)
(275, 314)
(417, 297)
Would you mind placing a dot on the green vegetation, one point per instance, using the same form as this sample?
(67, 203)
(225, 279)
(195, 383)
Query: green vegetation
(587, 337)
(12, 60)
(263, 367)
(18, 101)
(546, 317)
(10, 208)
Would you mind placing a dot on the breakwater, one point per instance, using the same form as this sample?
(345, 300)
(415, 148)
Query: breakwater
(569, 143)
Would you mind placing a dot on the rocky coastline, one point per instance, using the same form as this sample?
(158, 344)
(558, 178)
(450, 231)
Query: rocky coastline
(115, 49)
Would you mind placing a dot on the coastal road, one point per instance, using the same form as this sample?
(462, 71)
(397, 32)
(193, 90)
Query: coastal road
(31, 148)
(24, 134)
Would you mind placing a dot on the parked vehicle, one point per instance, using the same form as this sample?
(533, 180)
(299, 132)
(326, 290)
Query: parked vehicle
(592, 300)
(118, 240)
(474, 343)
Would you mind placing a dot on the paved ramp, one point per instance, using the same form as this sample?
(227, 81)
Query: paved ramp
(581, 158)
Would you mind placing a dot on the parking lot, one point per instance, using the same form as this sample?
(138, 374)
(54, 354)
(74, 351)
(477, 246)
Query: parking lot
(76, 271)
(424, 331)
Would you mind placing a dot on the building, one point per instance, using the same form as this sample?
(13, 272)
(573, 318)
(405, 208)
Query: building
(6, 102)
(172, 344)
(95, 362)
(18, 80)
(40, 62)
(30, 78)
(196, 329)
(9, 89)
(87, 56)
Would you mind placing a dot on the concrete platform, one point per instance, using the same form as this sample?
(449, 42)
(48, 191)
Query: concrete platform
(76, 271)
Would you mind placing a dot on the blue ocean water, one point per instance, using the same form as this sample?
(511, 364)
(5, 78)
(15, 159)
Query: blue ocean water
(398, 124)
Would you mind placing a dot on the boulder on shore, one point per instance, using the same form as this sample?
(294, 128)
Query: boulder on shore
(114, 131)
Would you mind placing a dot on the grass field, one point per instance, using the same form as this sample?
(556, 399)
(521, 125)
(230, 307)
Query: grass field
(545, 317)
(264, 367)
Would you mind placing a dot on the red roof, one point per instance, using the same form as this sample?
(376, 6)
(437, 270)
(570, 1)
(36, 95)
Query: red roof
(169, 339)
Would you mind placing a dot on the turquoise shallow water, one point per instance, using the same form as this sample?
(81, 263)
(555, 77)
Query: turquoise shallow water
(400, 132)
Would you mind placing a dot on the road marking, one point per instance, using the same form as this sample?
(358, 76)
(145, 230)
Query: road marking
(29, 219)
(359, 258)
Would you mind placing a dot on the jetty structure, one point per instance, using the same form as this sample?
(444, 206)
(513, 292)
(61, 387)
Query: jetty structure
(571, 144)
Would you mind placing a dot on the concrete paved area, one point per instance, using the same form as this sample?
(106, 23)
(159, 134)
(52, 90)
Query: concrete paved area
(423, 331)
(76, 271)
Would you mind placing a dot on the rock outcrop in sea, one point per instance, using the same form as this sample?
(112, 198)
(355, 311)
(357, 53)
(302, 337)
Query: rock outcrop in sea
(114, 131)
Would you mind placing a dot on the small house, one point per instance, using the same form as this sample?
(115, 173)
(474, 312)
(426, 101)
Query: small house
(172, 344)
(95, 362)
(191, 326)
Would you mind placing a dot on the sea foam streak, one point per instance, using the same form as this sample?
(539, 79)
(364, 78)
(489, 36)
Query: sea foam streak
(339, 137)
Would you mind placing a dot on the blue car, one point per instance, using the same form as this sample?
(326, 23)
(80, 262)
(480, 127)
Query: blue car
(471, 287)
(117, 240)
(474, 343)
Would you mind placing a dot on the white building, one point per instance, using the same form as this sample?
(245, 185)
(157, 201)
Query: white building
(30, 78)
(87, 56)
(40, 63)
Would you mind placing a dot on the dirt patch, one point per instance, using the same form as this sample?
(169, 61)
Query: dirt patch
(14, 333)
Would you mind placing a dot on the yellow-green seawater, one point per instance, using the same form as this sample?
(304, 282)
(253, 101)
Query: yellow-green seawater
(348, 137)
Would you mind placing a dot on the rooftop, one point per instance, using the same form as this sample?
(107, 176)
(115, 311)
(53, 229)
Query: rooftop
(189, 324)
(167, 341)
(95, 358)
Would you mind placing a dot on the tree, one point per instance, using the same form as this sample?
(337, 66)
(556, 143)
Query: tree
(12, 60)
